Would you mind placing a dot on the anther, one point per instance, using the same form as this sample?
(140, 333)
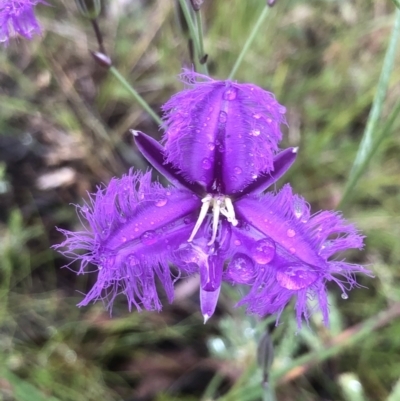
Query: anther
(220, 205)
(203, 213)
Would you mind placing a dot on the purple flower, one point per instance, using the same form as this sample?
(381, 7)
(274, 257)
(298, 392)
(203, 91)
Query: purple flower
(18, 17)
(215, 220)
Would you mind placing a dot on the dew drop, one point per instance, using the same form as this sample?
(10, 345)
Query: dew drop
(263, 251)
(237, 242)
(206, 163)
(186, 220)
(269, 120)
(292, 251)
(161, 202)
(230, 94)
(257, 116)
(123, 239)
(188, 255)
(222, 117)
(290, 233)
(211, 145)
(344, 296)
(149, 237)
(295, 276)
(136, 229)
(237, 170)
(241, 269)
(255, 132)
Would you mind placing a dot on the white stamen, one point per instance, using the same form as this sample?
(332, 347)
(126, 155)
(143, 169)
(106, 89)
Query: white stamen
(216, 212)
(220, 205)
(203, 213)
(229, 212)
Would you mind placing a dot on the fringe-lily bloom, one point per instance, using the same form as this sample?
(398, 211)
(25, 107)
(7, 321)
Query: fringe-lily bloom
(220, 155)
(18, 17)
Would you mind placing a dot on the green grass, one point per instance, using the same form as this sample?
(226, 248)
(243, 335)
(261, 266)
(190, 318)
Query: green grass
(323, 60)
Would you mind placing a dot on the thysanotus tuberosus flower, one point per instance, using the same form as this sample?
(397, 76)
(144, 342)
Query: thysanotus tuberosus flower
(18, 17)
(220, 154)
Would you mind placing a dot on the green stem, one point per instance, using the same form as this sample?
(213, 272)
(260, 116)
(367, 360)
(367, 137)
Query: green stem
(135, 95)
(249, 41)
(194, 34)
(200, 34)
(370, 139)
(397, 3)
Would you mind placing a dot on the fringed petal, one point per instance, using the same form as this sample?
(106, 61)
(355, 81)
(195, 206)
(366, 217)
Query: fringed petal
(133, 228)
(18, 17)
(301, 266)
(221, 133)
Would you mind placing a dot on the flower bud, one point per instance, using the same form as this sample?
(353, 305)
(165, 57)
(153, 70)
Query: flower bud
(196, 4)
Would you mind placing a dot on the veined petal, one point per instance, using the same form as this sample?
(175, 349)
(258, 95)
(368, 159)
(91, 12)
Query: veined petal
(133, 228)
(222, 133)
(273, 215)
(154, 153)
(282, 162)
(304, 245)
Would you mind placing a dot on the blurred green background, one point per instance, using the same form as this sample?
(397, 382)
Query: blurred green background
(64, 125)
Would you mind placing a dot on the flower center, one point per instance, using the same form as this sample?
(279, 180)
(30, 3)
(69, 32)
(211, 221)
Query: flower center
(220, 204)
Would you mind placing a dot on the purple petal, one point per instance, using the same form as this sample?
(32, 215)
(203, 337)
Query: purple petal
(18, 17)
(273, 216)
(210, 285)
(133, 228)
(301, 266)
(221, 133)
(154, 153)
(282, 162)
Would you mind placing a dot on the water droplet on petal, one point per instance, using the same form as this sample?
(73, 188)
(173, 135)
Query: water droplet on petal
(292, 251)
(149, 237)
(206, 163)
(344, 296)
(123, 239)
(230, 94)
(237, 242)
(161, 202)
(290, 233)
(295, 276)
(263, 251)
(211, 145)
(222, 117)
(241, 269)
(187, 220)
(187, 254)
(237, 170)
(257, 116)
(255, 132)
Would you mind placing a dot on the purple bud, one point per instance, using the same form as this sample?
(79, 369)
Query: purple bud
(102, 59)
(196, 4)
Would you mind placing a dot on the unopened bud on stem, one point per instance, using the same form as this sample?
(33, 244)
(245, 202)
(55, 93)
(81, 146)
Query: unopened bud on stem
(102, 59)
(196, 4)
